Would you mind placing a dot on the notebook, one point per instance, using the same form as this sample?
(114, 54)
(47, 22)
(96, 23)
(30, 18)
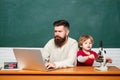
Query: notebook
(30, 59)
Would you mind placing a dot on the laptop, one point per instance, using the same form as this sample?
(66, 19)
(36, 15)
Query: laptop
(30, 59)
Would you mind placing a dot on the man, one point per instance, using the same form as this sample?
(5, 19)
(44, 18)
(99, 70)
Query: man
(61, 51)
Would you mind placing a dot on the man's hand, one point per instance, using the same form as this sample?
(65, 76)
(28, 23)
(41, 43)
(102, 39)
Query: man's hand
(50, 65)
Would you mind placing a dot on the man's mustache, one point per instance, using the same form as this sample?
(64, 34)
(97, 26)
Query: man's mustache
(58, 37)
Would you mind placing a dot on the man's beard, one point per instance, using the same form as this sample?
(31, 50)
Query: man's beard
(59, 41)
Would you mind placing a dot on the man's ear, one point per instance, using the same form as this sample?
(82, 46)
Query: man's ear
(67, 32)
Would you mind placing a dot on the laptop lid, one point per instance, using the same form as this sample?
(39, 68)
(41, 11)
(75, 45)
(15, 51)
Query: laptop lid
(29, 59)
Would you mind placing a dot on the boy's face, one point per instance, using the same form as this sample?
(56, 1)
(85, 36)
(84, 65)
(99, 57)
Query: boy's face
(87, 45)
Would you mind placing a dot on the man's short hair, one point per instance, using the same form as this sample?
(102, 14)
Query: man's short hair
(61, 22)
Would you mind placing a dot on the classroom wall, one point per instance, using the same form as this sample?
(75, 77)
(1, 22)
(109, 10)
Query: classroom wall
(28, 23)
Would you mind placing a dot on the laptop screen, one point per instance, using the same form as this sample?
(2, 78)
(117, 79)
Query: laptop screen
(29, 59)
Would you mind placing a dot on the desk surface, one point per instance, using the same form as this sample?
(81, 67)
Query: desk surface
(112, 70)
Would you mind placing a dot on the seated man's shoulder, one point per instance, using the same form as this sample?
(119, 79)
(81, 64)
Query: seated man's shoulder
(51, 40)
(71, 39)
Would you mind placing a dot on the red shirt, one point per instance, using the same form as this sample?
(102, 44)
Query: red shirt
(88, 62)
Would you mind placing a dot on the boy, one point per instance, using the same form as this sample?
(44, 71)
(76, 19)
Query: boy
(85, 56)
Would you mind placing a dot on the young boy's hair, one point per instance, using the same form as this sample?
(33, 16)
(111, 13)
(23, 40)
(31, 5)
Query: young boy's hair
(84, 38)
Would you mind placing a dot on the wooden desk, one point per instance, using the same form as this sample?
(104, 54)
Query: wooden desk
(77, 73)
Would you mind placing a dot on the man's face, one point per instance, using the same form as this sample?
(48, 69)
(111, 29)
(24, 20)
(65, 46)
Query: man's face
(60, 34)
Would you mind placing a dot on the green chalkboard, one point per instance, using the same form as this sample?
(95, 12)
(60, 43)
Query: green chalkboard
(28, 23)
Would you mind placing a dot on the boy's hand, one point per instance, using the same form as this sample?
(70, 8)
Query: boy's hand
(108, 60)
(91, 56)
